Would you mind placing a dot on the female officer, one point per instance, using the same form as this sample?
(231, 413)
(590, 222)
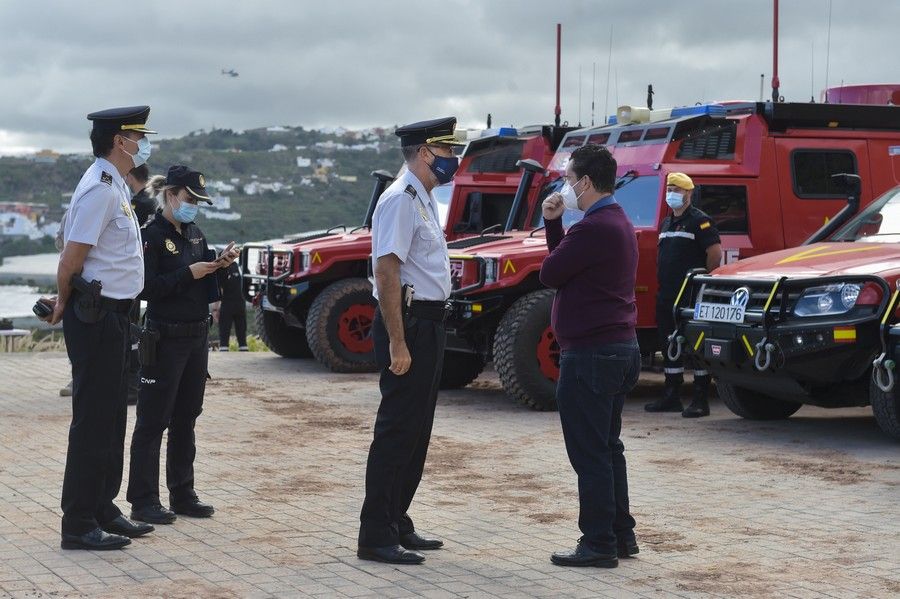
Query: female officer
(179, 286)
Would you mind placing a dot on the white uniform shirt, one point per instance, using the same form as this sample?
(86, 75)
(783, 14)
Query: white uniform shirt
(100, 215)
(408, 227)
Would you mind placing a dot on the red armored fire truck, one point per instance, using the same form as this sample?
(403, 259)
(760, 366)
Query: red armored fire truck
(762, 171)
(312, 293)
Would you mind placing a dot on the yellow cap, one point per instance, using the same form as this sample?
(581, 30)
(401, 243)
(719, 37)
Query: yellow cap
(680, 180)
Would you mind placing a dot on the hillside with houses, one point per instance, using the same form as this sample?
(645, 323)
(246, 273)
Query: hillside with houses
(266, 182)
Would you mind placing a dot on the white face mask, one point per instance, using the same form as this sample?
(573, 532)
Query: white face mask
(675, 200)
(570, 199)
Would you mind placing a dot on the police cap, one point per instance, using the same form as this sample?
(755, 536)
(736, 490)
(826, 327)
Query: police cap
(128, 118)
(435, 131)
(181, 176)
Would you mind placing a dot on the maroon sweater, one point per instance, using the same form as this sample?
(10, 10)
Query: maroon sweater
(593, 268)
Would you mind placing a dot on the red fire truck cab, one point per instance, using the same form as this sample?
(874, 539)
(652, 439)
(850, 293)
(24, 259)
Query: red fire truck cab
(311, 291)
(762, 172)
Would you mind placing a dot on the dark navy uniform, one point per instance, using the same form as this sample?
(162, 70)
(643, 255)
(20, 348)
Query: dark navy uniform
(406, 224)
(98, 335)
(233, 309)
(683, 242)
(171, 386)
(144, 206)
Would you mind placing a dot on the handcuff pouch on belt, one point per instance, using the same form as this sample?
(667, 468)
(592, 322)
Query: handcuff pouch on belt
(147, 346)
(88, 307)
(406, 298)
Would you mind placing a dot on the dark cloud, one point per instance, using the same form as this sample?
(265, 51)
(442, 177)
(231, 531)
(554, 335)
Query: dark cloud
(360, 63)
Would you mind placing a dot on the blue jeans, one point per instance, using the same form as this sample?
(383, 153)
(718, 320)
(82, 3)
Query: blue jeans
(590, 395)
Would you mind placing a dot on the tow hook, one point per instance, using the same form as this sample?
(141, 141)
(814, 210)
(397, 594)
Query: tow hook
(676, 343)
(763, 349)
(883, 373)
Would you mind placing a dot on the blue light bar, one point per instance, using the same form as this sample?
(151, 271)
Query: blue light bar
(712, 110)
(612, 120)
(507, 132)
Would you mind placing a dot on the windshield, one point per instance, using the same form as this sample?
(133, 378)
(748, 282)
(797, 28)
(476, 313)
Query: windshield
(442, 195)
(639, 198)
(878, 223)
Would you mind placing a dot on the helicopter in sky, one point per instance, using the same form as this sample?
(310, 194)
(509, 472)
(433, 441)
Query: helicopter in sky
(230, 72)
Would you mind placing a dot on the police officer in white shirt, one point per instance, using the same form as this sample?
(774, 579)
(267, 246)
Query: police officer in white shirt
(100, 272)
(412, 285)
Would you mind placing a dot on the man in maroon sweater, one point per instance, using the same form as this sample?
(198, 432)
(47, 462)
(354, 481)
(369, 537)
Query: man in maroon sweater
(593, 268)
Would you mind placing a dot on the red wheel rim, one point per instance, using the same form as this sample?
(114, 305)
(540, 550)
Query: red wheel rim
(355, 328)
(548, 355)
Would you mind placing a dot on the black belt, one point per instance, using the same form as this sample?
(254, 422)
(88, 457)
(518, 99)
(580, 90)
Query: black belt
(429, 310)
(179, 329)
(121, 306)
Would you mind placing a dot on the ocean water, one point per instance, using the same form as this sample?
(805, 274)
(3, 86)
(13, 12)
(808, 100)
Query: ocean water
(16, 300)
(41, 265)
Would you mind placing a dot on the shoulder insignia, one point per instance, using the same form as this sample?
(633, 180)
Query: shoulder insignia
(411, 191)
(705, 225)
(170, 245)
(126, 208)
(106, 178)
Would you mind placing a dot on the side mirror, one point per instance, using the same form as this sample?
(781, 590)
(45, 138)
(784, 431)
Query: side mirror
(847, 183)
(382, 175)
(530, 165)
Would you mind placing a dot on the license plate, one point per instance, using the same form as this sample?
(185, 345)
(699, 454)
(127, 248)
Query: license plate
(719, 312)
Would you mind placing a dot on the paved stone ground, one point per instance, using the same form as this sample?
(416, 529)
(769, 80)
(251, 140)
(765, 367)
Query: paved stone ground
(725, 507)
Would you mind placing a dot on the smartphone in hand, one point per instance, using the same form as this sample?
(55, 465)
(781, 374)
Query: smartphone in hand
(225, 253)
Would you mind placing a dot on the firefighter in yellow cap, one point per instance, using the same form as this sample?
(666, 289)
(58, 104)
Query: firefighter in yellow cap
(688, 239)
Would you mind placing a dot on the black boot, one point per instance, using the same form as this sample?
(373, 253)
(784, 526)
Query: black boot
(670, 401)
(700, 405)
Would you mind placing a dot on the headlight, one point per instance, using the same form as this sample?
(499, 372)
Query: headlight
(836, 298)
(304, 261)
(490, 270)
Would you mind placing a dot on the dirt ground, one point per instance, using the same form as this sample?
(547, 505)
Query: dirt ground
(725, 507)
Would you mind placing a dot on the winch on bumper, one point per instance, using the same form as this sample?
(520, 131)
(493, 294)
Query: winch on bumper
(767, 336)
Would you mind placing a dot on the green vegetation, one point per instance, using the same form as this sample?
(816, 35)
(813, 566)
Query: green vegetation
(223, 155)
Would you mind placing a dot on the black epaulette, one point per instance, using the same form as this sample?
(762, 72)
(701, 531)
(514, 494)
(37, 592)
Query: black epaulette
(106, 178)
(411, 191)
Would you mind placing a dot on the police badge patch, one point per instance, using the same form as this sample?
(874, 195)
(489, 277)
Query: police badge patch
(106, 178)
(126, 209)
(170, 245)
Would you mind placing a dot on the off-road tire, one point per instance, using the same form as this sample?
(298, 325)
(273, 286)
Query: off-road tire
(324, 326)
(515, 351)
(754, 406)
(460, 369)
(886, 409)
(284, 340)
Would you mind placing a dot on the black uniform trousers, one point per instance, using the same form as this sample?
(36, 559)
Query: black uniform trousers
(233, 314)
(97, 434)
(170, 397)
(402, 430)
(134, 363)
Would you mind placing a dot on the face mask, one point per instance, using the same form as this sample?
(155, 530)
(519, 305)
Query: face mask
(143, 153)
(186, 213)
(675, 200)
(443, 167)
(570, 199)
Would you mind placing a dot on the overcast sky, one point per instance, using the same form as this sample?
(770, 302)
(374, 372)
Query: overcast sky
(360, 63)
